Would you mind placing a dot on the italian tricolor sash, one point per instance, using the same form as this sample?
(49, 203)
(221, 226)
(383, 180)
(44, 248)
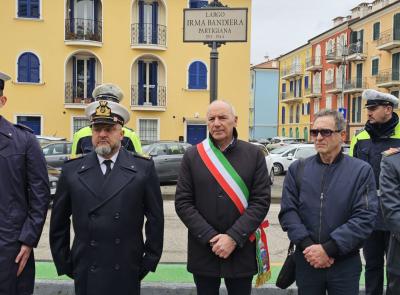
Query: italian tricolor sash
(236, 189)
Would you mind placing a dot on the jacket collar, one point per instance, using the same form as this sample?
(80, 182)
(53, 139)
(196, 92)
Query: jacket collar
(231, 145)
(90, 175)
(6, 133)
(338, 158)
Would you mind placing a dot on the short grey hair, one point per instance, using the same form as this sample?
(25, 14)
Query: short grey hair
(337, 116)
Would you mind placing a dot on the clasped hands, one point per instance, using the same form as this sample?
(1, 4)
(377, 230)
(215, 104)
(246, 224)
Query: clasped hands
(317, 257)
(222, 245)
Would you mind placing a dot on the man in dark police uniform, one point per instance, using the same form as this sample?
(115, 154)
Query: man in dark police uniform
(108, 192)
(24, 199)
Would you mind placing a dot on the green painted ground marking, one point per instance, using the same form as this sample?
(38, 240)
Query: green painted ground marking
(168, 273)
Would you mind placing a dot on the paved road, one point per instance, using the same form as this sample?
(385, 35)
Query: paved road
(176, 233)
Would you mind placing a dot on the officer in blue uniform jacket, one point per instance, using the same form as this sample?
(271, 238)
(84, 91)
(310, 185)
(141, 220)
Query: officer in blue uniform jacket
(24, 199)
(108, 192)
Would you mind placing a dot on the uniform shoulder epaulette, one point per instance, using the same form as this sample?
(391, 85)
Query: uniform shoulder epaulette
(140, 156)
(77, 157)
(391, 151)
(23, 127)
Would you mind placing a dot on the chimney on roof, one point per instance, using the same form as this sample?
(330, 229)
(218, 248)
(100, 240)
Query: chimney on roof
(355, 12)
(364, 9)
(338, 20)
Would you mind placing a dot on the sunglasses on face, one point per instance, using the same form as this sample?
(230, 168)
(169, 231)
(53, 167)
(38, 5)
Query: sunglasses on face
(323, 132)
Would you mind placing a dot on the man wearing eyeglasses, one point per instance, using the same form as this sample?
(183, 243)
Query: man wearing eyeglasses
(381, 132)
(331, 213)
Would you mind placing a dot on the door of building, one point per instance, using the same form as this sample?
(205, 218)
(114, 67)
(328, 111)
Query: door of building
(196, 133)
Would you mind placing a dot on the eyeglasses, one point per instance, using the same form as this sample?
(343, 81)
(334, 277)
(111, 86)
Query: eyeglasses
(323, 132)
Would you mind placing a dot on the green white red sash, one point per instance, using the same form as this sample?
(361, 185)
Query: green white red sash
(236, 189)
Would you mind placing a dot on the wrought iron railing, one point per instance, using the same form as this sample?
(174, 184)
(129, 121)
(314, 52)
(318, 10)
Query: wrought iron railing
(387, 76)
(331, 85)
(313, 61)
(355, 83)
(356, 48)
(149, 96)
(292, 70)
(81, 29)
(387, 37)
(75, 94)
(148, 34)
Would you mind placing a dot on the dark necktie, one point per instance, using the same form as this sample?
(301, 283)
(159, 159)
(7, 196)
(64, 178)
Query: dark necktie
(108, 165)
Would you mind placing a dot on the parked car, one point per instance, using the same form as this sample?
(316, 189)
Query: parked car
(277, 142)
(268, 160)
(54, 175)
(167, 156)
(57, 153)
(284, 156)
(44, 140)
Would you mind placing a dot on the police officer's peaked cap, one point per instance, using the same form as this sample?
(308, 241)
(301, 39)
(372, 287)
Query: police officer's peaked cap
(108, 91)
(3, 78)
(107, 112)
(376, 98)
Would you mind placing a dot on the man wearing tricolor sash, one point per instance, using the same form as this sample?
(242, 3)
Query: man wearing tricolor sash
(223, 196)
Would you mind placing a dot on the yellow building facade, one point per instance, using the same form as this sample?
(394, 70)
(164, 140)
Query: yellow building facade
(373, 57)
(57, 51)
(294, 86)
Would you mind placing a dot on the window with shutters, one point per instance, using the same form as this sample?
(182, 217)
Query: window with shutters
(79, 123)
(283, 115)
(197, 75)
(376, 31)
(28, 68)
(375, 67)
(197, 3)
(29, 8)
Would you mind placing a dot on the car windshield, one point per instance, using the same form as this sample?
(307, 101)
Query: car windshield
(280, 150)
(146, 148)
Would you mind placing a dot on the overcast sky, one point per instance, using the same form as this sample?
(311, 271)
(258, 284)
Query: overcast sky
(280, 26)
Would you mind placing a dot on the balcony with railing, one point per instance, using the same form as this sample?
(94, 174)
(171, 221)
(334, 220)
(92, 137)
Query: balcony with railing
(388, 78)
(148, 97)
(292, 72)
(75, 96)
(334, 56)
(78, 30)
(356, 51)
(315, 92)
(388, 40)
(355, 85)
(283, 95)
(313, 64)
(333, 87)
(148, 36)
(292, 97)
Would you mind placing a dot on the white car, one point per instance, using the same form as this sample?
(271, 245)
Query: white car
(268, 160)
(284, 156)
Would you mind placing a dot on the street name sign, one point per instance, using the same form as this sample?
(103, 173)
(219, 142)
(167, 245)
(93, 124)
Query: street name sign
(215, 25)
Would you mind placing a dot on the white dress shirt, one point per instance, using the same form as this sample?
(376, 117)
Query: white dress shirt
(103, 166)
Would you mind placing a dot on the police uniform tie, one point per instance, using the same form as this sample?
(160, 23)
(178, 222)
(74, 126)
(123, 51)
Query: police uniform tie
(108, 165)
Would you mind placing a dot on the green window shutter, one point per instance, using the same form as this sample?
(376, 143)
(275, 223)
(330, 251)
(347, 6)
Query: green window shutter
(376, 31)
(375, 67)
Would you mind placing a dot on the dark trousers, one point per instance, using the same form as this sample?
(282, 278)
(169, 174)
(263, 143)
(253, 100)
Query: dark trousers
(375, 249)
(342, 278)
(210, 285)
(393, 286)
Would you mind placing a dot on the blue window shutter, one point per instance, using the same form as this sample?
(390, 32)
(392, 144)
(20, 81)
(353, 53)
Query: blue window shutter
(92, 78)
(141, 78)
(283, 87)
(302, 108)
(306, 82)
(153, 81)
(202, 76)
(193, 76)
(96, 17)
(300, 81)
(22, 8)
(141, 21)
(34, 68)
(154, 25)
(291, 86)
(23, 67)
(197, 3)
(34, 8)
(71, 16)
(74, 80)
(396, 26)
(283, 115)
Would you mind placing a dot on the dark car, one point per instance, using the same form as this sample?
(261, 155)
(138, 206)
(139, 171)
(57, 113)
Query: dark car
(167, 156)
(57, 153)
(54, 175)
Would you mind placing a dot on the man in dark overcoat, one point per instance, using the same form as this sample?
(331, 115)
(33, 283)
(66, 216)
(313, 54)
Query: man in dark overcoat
(108, 193)
(218, 239)
(24, 200)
